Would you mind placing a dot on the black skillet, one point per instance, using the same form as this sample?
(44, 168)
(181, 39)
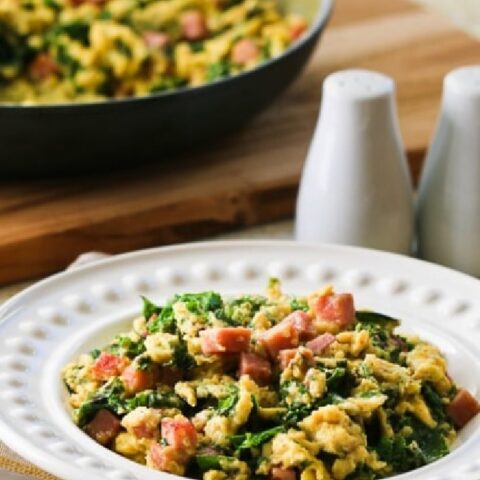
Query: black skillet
(72, 138)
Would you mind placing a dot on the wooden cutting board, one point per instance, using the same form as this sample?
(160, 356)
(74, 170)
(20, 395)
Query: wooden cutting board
(248, 178)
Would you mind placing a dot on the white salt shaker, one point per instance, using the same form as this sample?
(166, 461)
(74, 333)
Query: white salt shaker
(448, 210)
(356, 187)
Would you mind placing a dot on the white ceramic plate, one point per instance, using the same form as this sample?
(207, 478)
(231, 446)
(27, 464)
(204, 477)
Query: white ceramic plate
(49, 323)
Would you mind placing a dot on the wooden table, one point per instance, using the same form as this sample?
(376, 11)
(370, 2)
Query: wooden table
(246, 179)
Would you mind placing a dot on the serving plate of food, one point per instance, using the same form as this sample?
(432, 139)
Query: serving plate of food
(268, 360)
(96, 83)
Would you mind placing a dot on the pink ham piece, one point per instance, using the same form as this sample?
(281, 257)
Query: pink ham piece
(298, 29)
(166, 458)
(280, 337)
(225, 340)
(145, 431)
(337, 309)
(156, 40)
(282, 474)
(245, 51)
(256, 367)
(303, 324)
(462, 408)
(108, 365)
(193, 25)
(321, 343)
(136, 380)
(169, 376)
(285, 357)
(42, 67)
(104, 427)
(180, 433)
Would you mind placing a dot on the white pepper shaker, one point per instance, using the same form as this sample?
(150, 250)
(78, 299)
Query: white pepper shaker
(448, 209)
(355, 186)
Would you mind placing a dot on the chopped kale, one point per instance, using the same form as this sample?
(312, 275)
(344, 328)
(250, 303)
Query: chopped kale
(212, 462)
(104, 15)
(110, 396)
(241, 310)
(14, 52)
(423, 446)
(296, 304)
(168, 84)
(226, 405)
(217, 70)
(28, 6)
(339, 381)
(250, 440)
(124, 345)
(181, 358)
(52, 4)
(149, 308)
(69, 64)
(197, 47)
(364, 370)
(123, 48)
(201, 303)
(374, 318)
(144, 362)
(95, 353)
(155, 399)
(77, 30)
(434, 402)
(431, 442)
(164, 322)
(298, 411)
(399, 454)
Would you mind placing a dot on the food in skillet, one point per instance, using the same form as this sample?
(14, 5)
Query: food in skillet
(84, 50)
(276, 386)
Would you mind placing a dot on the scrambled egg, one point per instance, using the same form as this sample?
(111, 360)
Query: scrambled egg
(55, 51)
(260, 386)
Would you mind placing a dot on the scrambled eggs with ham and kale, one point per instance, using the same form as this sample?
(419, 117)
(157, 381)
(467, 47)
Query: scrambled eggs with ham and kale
(55, 51)
(279, 387)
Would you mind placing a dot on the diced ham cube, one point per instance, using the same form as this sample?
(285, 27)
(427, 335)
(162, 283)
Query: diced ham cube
(225, 340)
(245, 51)
(282, 474)
(280, 337)
(256, 367)
(337, 309)
(298, 29)
(462, 408)
(108, 365)
(167, 459)
(169, 376)
(193, 25)
(321, 343)
(42, 67)
(303, 323)
(104, 427)
(180, 433)
(136, 380)
(286, 356)
(156, 40)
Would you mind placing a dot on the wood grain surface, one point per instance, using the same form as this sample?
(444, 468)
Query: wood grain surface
(248, 178)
